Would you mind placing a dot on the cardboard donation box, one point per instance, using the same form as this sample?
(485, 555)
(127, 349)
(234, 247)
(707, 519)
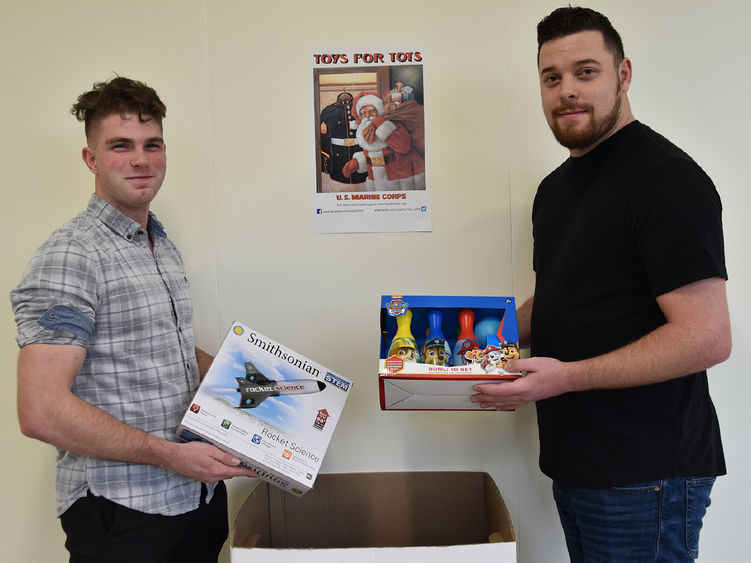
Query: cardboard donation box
(269, 406)
(378, 518)
(434, 349)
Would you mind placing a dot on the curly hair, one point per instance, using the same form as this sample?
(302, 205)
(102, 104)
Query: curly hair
(568, 20)
(119, 95)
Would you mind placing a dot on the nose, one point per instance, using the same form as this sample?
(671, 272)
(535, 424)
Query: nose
(569, 89)
(137, 158)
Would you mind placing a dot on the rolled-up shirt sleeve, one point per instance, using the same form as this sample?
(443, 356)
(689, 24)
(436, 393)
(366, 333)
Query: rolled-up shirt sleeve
(55, 302)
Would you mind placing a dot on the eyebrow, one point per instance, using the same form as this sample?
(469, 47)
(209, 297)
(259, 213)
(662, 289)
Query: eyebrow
(581, 62)
(116, 140)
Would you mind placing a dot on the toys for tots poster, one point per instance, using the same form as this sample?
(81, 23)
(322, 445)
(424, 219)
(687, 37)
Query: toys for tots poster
(370, 156)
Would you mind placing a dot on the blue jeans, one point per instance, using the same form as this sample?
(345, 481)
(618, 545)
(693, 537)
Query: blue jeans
(655, 521)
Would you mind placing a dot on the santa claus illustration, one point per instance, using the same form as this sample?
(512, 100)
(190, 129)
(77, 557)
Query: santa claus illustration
(388, 157)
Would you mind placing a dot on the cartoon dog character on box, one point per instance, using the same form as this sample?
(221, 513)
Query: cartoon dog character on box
(493, 360)
(509, 350)
(475, 356)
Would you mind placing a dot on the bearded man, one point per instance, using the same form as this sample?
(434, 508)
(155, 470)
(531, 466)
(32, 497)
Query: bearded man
(628, 255)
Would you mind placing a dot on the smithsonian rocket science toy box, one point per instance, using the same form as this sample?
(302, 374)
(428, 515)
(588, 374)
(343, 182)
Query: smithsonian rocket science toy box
(269, 406)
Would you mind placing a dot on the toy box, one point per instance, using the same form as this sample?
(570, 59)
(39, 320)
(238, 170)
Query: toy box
(269, 406)
(399, 517)
(434, 349)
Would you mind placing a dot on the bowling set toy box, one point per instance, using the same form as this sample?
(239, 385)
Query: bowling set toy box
(434, 349)
(269, 406)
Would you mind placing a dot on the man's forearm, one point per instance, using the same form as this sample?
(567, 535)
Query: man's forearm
(665, 353)
(687, 343)
(49, 411)
(79, 427)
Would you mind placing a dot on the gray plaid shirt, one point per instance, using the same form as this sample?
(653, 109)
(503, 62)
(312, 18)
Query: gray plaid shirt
(96, 284)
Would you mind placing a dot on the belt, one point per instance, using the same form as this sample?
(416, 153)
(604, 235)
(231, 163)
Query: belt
(380, 160)
(344, 142)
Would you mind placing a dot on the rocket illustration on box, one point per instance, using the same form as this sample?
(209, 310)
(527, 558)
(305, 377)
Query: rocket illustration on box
(255, 387)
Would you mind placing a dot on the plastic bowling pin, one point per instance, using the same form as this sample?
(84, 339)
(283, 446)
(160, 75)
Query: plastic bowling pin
(404, 344)
(467, 339)
(436, 349)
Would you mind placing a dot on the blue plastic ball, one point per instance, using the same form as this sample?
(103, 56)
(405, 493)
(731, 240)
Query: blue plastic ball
(484, 327)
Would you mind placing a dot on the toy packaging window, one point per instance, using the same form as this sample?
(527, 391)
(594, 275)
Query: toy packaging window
(433, 349)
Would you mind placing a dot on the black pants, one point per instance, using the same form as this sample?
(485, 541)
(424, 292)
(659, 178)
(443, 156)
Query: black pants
(101, 531)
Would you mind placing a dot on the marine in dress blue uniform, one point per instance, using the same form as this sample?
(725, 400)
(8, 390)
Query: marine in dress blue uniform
(338, 142)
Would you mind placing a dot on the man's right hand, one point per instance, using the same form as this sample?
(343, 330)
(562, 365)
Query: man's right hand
(204, 462)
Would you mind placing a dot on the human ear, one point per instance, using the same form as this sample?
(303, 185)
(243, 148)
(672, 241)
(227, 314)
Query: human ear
(89, 159)
(625, 73)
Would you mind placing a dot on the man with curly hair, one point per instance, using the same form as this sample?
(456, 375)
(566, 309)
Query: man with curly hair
(108, 363)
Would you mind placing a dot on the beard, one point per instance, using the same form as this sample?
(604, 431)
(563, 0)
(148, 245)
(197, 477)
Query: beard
(594, 130)
(376, 145)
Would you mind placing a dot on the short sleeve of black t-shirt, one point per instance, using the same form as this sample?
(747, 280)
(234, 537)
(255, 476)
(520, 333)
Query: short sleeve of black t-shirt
(677, 223)
(633, 219)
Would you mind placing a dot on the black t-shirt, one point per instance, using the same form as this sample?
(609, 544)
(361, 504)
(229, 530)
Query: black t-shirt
(631, 220)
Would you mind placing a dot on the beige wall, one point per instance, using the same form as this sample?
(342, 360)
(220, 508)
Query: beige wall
(236, 80)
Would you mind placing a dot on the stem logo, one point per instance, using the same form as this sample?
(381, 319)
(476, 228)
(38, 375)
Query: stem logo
(336, 381)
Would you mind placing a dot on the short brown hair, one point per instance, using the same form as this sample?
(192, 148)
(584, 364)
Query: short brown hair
(120, 95)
